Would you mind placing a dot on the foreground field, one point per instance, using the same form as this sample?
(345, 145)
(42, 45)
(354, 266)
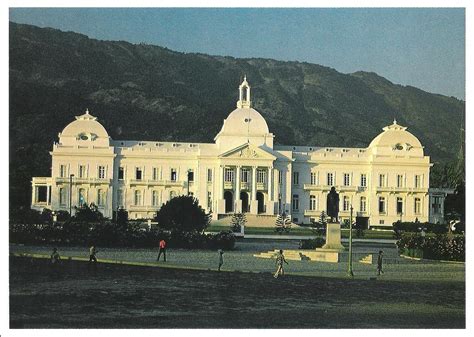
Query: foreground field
(120, 296)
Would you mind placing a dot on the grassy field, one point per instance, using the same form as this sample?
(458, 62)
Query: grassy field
(120, 296)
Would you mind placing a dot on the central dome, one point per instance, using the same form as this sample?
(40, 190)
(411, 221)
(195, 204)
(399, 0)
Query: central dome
(244, 121)
(244, 124)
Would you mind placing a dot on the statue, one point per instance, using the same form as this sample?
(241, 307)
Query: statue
(333, 204)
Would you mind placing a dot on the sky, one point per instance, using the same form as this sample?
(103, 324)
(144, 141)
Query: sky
(423, 47)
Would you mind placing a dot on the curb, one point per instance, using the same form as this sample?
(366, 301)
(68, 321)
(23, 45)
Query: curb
(420, 259)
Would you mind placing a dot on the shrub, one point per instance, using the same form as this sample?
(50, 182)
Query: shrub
(439, 247)
(282, 224)
(183, 214)
(223, 240)
(312, 243)
(414, 227)
(238, 221)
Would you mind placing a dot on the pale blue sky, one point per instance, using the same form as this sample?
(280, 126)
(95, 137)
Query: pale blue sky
(420, 47)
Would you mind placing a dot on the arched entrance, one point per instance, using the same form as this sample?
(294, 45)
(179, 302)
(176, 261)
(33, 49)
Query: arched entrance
(244, 196)
(229, 202)
(261, 202)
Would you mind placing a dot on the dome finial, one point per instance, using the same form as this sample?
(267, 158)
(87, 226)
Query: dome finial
(395, 121)
(244, 94)
(87, 111)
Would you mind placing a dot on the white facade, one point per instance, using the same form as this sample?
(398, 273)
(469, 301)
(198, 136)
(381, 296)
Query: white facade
(241, 171)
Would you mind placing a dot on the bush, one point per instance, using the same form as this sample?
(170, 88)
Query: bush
(414, 227)
(223, 240)
(439, 247)
(183, 214)
(312, 243)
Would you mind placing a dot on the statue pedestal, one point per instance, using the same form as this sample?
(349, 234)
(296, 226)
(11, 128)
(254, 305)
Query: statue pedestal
(333, 237)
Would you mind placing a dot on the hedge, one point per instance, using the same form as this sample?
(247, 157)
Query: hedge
(440, 247)
(109, 234)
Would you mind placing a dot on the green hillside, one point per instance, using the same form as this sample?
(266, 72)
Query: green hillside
(147, 92)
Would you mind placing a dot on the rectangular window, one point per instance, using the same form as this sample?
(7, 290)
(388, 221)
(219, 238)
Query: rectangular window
(62, 171)
(296, 202)
(261, 175)
(82, 171)
(381, 180)
(191, 176)
(209, 200)
(347, 179)
(314, 178)
(229, 175)
(138, 198)
(154, 173)
(100, 197)
(245, 173)
(101, 172)
(417, 181)
(62, 197)
(399, 205)
(330, 180)
(296, 178)
(120, 173)
(82, 197)
(399, 180)
(417, 206)
(382, 205)
(313, 203)
(173, 176)
(155, 198)
(436, 205)
(363, 180)
(138, 173)
(209, 175)
(280, 177)
(345, 203)
(363, 204)
(120, 198)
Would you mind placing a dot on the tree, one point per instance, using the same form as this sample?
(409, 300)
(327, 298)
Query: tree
(282, 223)
(183, 214)
(88, 214)
(238, 221)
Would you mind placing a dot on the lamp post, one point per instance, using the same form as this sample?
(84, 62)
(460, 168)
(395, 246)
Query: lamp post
(349, 271)
(70, 194)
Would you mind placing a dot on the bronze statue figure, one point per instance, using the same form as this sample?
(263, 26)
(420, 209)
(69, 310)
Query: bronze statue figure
(333, 204)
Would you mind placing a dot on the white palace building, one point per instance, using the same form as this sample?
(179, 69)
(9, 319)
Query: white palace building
(242, 171)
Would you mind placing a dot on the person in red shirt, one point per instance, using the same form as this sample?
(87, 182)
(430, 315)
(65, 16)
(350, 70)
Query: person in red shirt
(162, 250)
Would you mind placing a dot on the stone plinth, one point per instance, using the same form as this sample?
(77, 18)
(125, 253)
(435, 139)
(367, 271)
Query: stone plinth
(333, 237)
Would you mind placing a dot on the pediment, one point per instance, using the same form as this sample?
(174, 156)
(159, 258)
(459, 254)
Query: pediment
(247, 151)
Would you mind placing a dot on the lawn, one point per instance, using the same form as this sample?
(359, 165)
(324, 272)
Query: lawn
(121, 296)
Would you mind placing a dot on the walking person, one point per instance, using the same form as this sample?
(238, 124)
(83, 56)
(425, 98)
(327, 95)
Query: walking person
(279, 262)
(221, 259)
(92, 252)
(162, 250)
(380, 262)
(55, 258)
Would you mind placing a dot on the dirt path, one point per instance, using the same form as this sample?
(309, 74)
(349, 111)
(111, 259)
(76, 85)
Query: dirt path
(117, 296)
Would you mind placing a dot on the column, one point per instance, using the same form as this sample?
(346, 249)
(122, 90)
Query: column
(254, 183)
(253, 194)
(221, 182)
(33, 194)
(237, 202)
(269, 185)
(47, 195)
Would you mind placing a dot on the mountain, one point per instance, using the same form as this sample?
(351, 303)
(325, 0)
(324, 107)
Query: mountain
(147, 92)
